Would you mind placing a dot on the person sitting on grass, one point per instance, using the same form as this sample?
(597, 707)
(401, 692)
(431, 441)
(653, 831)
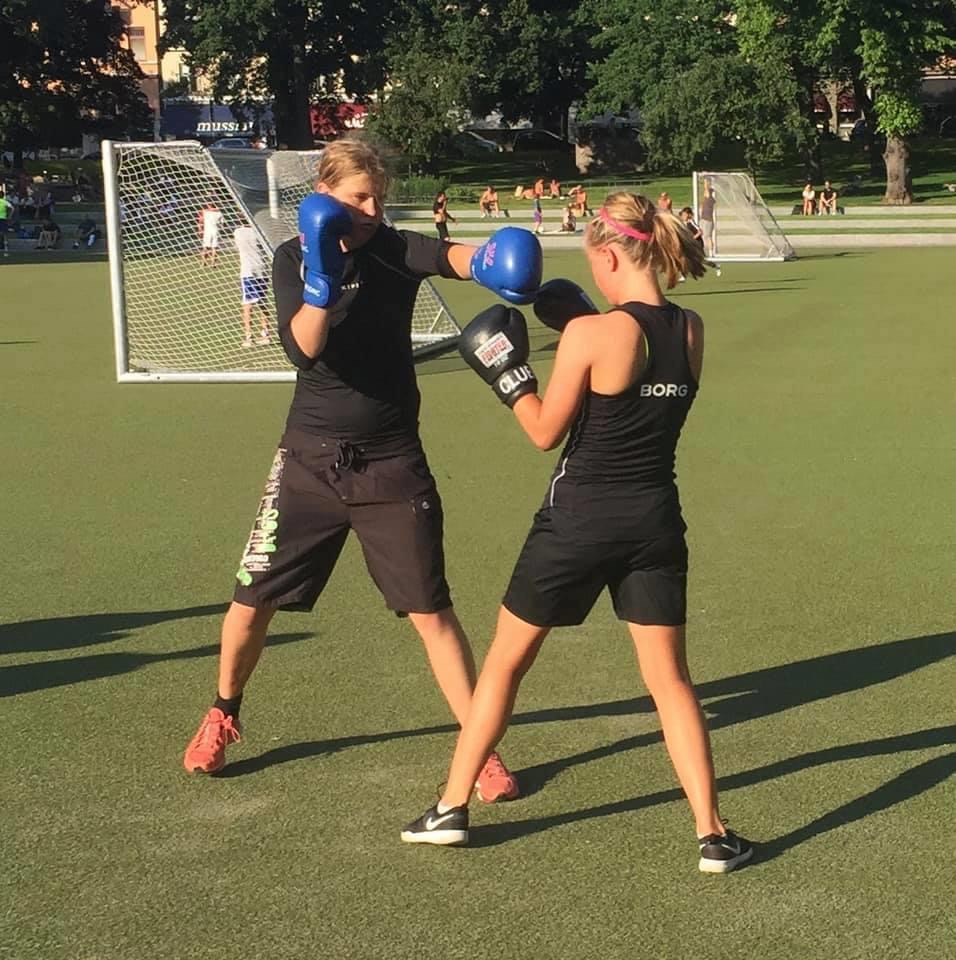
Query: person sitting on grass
(828, 199)
(579, 199)
(86, 234)
(569, 222)
(809, 200)
(488, 203)
(49, 237)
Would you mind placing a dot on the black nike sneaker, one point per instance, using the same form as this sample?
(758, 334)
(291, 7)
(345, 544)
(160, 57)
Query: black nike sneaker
(446, 829)
(721, 854)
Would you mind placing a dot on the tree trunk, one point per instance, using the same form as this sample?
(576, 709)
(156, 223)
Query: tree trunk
(290, 109)
(899, 177)
(289, 78)
(865, 104)
(832, 93)
(812, 162)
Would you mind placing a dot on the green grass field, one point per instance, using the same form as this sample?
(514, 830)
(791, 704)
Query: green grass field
(816, 473)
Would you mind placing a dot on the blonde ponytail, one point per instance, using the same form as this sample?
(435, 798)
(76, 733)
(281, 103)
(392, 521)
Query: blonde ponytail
(649, 237)
(677, 253)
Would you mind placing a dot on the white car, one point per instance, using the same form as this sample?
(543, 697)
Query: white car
(467, 141)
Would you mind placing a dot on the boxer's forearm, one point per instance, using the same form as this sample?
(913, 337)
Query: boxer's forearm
(310, 328)
(459, 257)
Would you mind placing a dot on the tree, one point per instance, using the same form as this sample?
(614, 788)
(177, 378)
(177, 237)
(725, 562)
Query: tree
(896, 43)
(643, 44)
(891, 42)
(284, 50)
(785, 35)
(722, 99)
(65, 74)
(425, 102)
(535, 59)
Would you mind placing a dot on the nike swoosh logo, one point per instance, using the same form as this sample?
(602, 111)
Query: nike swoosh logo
(431, 824)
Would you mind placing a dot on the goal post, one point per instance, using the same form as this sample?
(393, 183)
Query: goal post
(175, 275)
(744, 229)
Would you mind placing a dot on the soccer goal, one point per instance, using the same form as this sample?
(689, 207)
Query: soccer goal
(176, 308)
(743, 226)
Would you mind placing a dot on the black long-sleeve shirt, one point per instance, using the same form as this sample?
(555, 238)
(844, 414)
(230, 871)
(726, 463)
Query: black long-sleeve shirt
(362, 387)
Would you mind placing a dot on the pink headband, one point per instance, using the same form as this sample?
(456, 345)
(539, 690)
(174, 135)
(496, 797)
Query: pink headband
(621, 228)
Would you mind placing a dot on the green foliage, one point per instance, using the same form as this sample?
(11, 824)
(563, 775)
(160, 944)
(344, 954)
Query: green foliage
(423, 189)
(722, 99)
(535, 57)
(899, 114)
(890, 44)
(288, 50)
(524, 58)
(644, 44)
(431, 81)
(65, 73)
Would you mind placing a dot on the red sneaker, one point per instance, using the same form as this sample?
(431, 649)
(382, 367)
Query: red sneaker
(206, 752)
(496, 782)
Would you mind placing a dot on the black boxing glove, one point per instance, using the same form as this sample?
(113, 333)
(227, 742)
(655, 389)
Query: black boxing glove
(495, 345)
(559, 301)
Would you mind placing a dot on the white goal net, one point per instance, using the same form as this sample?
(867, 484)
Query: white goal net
(175, 271)
(743, 226)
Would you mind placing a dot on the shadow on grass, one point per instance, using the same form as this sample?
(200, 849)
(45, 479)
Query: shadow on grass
(747, 696)
(737, 291)
(65, 633)
(909, 784)
(32, 677)
(830, 256)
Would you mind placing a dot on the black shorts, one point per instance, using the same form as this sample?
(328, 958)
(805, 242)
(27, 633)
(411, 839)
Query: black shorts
(566, 562)
(442, 229)
(318, 490)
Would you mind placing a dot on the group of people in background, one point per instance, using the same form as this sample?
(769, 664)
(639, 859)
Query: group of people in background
(253, 270)
(38, 206)
(489, 206)
(824, 202)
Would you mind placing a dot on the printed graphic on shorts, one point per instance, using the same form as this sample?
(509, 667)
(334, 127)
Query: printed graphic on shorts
(257, 557)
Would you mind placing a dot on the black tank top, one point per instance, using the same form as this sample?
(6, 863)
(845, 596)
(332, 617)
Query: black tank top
(618, 462)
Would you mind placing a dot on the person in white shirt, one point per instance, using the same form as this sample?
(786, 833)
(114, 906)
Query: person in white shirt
(210, 218)
(253, 283)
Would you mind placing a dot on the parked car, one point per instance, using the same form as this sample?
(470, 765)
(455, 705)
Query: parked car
(468, 143)
(539, 141)
(231, 143)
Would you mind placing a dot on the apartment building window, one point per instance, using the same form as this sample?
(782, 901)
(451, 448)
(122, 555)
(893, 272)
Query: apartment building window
(137, 41)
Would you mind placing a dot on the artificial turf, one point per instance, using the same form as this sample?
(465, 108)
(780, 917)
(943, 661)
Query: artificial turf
(816, 475)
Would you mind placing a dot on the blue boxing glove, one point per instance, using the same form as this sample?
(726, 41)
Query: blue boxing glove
(323, 224)
(509, 264)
